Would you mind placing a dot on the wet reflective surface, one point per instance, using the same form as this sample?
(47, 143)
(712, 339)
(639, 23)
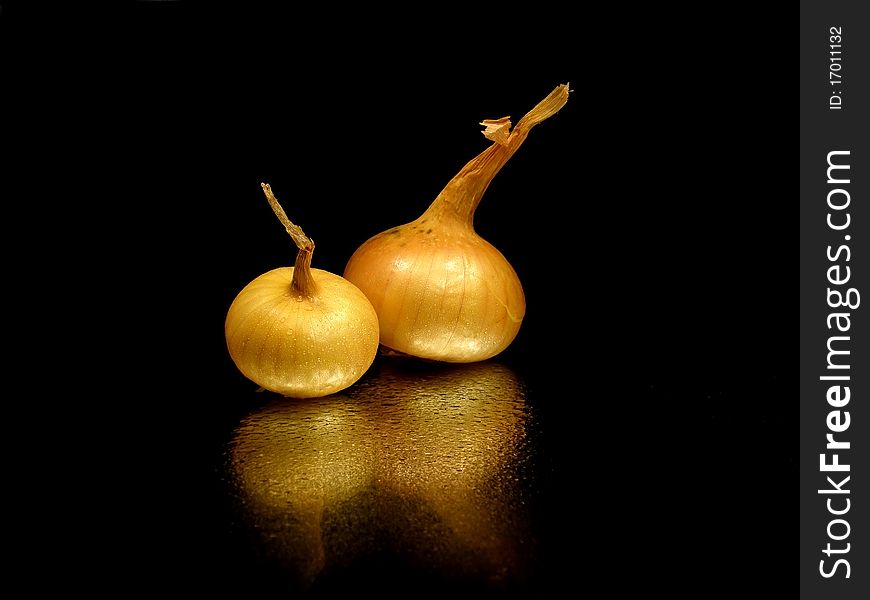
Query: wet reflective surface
(419, 468)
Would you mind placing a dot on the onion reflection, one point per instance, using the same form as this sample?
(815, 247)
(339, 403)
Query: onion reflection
(421, 461)
(289, 461)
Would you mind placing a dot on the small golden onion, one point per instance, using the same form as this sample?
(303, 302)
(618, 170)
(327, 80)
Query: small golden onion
(440, 290)
(298, 331)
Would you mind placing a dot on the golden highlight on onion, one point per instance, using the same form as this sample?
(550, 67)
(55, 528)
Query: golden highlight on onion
(440, 290)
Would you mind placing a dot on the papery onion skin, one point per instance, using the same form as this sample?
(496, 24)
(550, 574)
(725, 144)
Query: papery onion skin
(297, 346)
(454, 298)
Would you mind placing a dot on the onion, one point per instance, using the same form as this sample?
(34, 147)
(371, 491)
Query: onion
(440, 290)
(299, 331)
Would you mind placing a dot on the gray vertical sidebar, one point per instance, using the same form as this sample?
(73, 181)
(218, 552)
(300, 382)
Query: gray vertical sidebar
(823, 130)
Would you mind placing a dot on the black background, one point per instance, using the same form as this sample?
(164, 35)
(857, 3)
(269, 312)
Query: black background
(647, 221)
